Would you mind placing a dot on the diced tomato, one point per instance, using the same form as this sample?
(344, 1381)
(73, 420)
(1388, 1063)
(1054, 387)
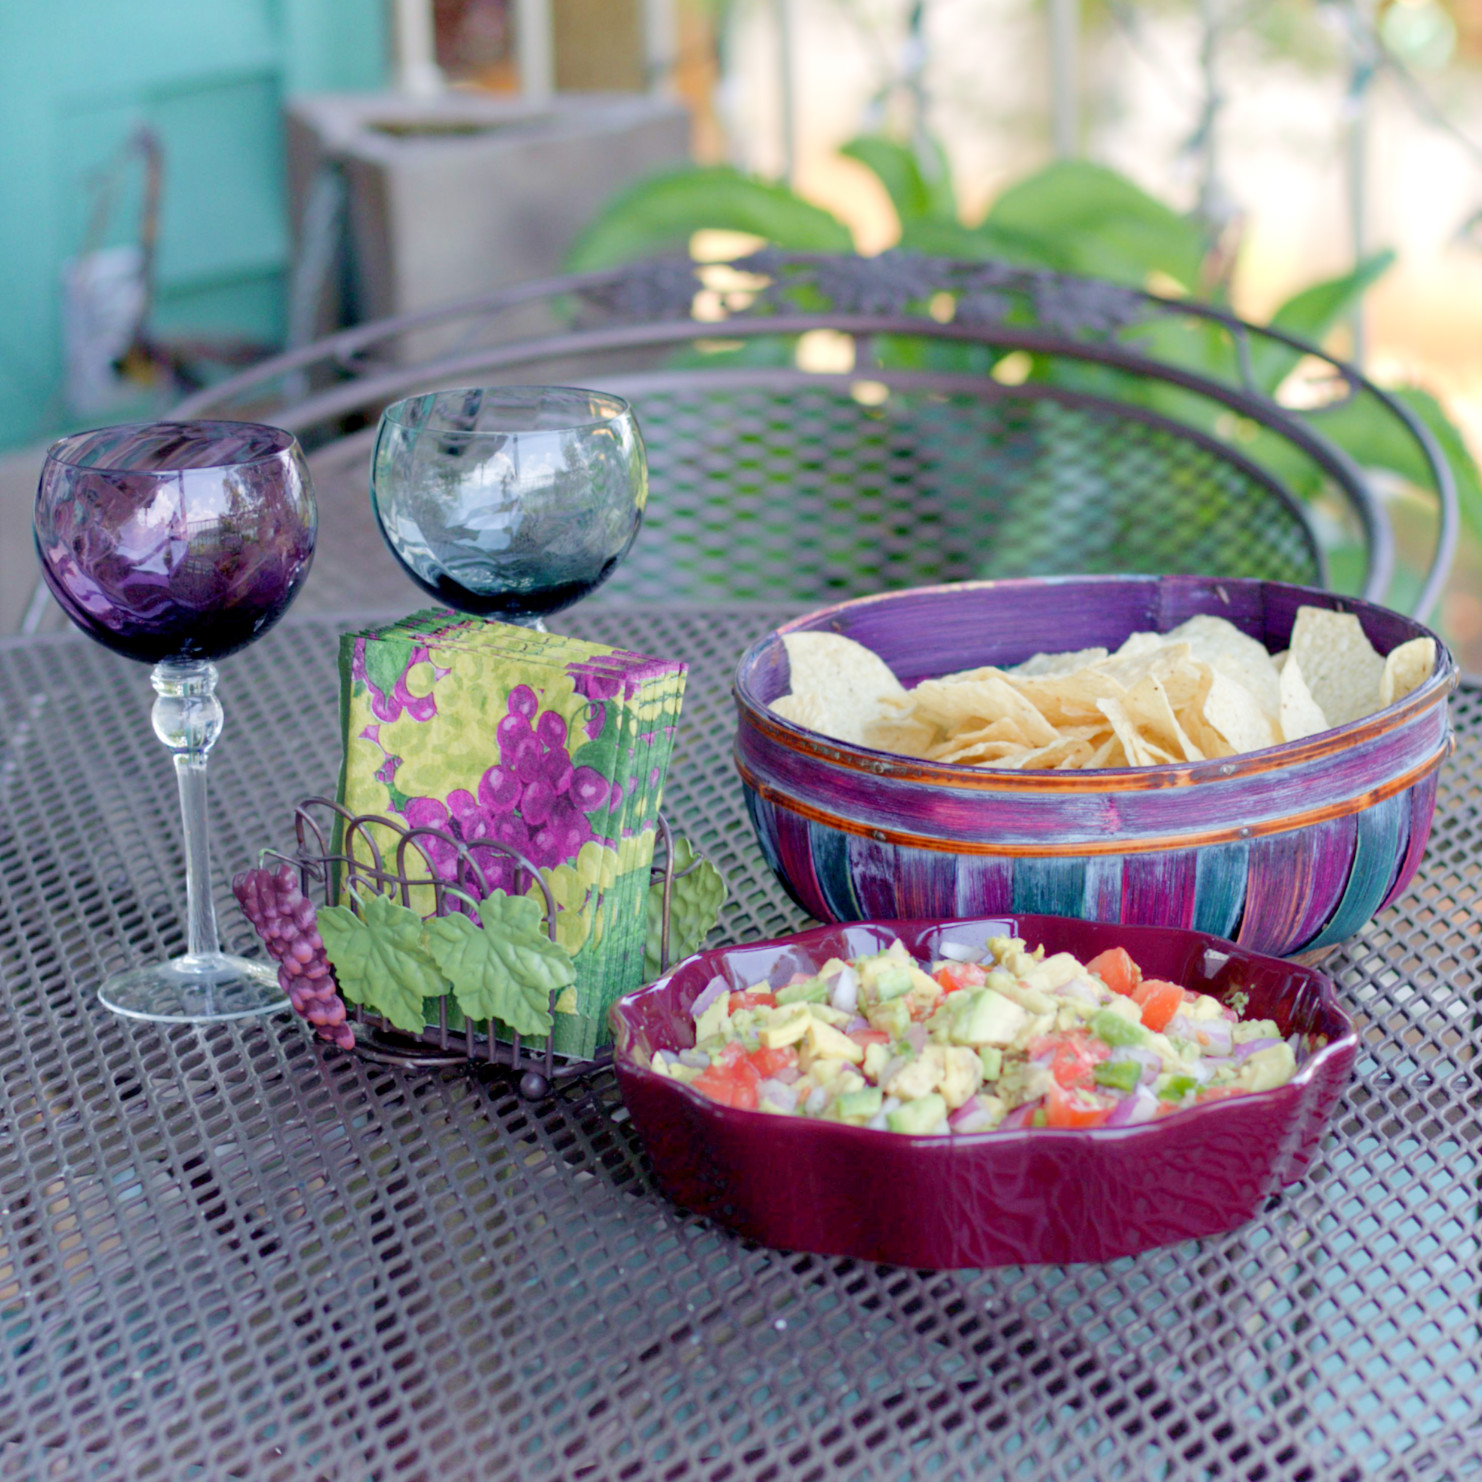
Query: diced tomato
(955, 975)
(1159, 1002)
(727, 1088)
(1074, 1108)
(1073, 1056)
(731, 1084)
(1116, 969)
(1218, 1093)
(864, 1038)
(731, 1052)
(753, 998)
(768, 1062)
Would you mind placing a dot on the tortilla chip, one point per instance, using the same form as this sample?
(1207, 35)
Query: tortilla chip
(1043, 666)
(1237, 715)
(1133, 746)
(848, 680)
(801, 710)
(1339, 664)
(1147, 704)
(1406, 669)
(1301, 715)
(1236, 655)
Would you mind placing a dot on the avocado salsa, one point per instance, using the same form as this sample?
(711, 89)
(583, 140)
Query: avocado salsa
(974, 1042)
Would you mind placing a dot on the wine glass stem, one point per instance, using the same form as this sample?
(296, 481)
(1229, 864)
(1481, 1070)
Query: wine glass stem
(187, 718)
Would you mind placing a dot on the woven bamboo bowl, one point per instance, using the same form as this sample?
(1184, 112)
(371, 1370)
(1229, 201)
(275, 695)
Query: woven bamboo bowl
(1286, 850)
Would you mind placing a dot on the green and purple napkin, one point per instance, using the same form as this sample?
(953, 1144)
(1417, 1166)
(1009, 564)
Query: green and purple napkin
(549, 744)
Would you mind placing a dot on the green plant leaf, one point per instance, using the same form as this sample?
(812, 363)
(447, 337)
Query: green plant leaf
(1311, 315)
(694, 908)
(1081, 217)
(380, 959)
(506, 970)
(1375, 438)
(661, 213)
(915, 192)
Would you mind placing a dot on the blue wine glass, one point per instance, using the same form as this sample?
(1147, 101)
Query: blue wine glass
(510, 501)
(176, 543)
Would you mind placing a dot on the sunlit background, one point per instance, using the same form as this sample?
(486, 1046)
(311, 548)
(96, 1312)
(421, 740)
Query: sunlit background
(162, 223)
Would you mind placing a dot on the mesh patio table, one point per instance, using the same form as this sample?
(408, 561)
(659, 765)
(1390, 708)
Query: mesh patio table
(231, 1252)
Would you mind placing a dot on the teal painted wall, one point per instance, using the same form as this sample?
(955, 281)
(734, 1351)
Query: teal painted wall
(77, 77)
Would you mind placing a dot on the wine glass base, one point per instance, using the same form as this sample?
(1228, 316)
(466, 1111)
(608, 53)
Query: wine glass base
(204, 989)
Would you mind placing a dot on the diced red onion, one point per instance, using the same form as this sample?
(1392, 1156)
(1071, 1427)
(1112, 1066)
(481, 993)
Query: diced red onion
(980, 1121)
(895, 1064)
(879, 1122)
(857, 1023)
(695, 1059)
(959, 952)
(668, 1057)
(1020, 1116)
(1218, 1035)
(778, 1093)
(716, 988)
(1140, 1106)
(817, 1100)
(969, 1108)
(1251, 1046)
(788, 1074)
(1081, 991)
(916, 1037)
(1180, 1027)
(844, 995)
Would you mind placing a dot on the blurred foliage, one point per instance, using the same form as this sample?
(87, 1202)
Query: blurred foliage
(1076, 217)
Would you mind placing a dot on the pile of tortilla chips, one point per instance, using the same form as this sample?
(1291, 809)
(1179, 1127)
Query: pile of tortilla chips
(1203, 690)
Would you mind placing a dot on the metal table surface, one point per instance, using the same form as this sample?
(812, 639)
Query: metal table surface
(232, 1252)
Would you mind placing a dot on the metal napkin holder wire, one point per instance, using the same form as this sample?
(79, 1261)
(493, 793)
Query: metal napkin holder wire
(540, 1067)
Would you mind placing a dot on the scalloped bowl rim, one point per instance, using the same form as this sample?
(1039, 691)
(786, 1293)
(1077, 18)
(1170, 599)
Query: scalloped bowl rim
(1327, 996)
(1442, 679)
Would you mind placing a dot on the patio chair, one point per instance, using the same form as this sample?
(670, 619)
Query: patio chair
(822, 427)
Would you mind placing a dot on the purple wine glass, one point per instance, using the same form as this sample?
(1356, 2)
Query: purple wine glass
(176, 543)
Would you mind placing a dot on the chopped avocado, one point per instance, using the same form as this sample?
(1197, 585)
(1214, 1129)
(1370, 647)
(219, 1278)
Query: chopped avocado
(893, 982)
(1273, 1066)
(863, 1103)
(992, 1059)
(814, 990)
(918, 1116)
(986, 1017)
(1121, 1075)
(788, 1028)
(825, 1040)
(714, 1021)
(1115, 1030)
(893, 1017)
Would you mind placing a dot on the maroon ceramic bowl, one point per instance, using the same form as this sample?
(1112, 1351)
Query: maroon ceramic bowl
(994, 1198)
(1284, 850)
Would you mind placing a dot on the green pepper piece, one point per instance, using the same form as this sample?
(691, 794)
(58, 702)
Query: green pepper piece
(815, 990)
(1116, 1031)
(1121, 1075)
(1177, 1087)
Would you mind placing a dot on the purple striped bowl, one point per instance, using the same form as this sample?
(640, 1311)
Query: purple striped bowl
(1291, 849)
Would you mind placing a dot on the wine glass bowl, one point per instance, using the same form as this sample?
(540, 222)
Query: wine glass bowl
(511, 501)
(175, 540)
(175, 543)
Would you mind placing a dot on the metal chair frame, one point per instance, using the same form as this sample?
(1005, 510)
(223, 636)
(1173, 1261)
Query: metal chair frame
(666, 304)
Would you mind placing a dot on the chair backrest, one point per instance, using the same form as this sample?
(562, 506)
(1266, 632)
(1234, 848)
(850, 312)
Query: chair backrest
(966, 419)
